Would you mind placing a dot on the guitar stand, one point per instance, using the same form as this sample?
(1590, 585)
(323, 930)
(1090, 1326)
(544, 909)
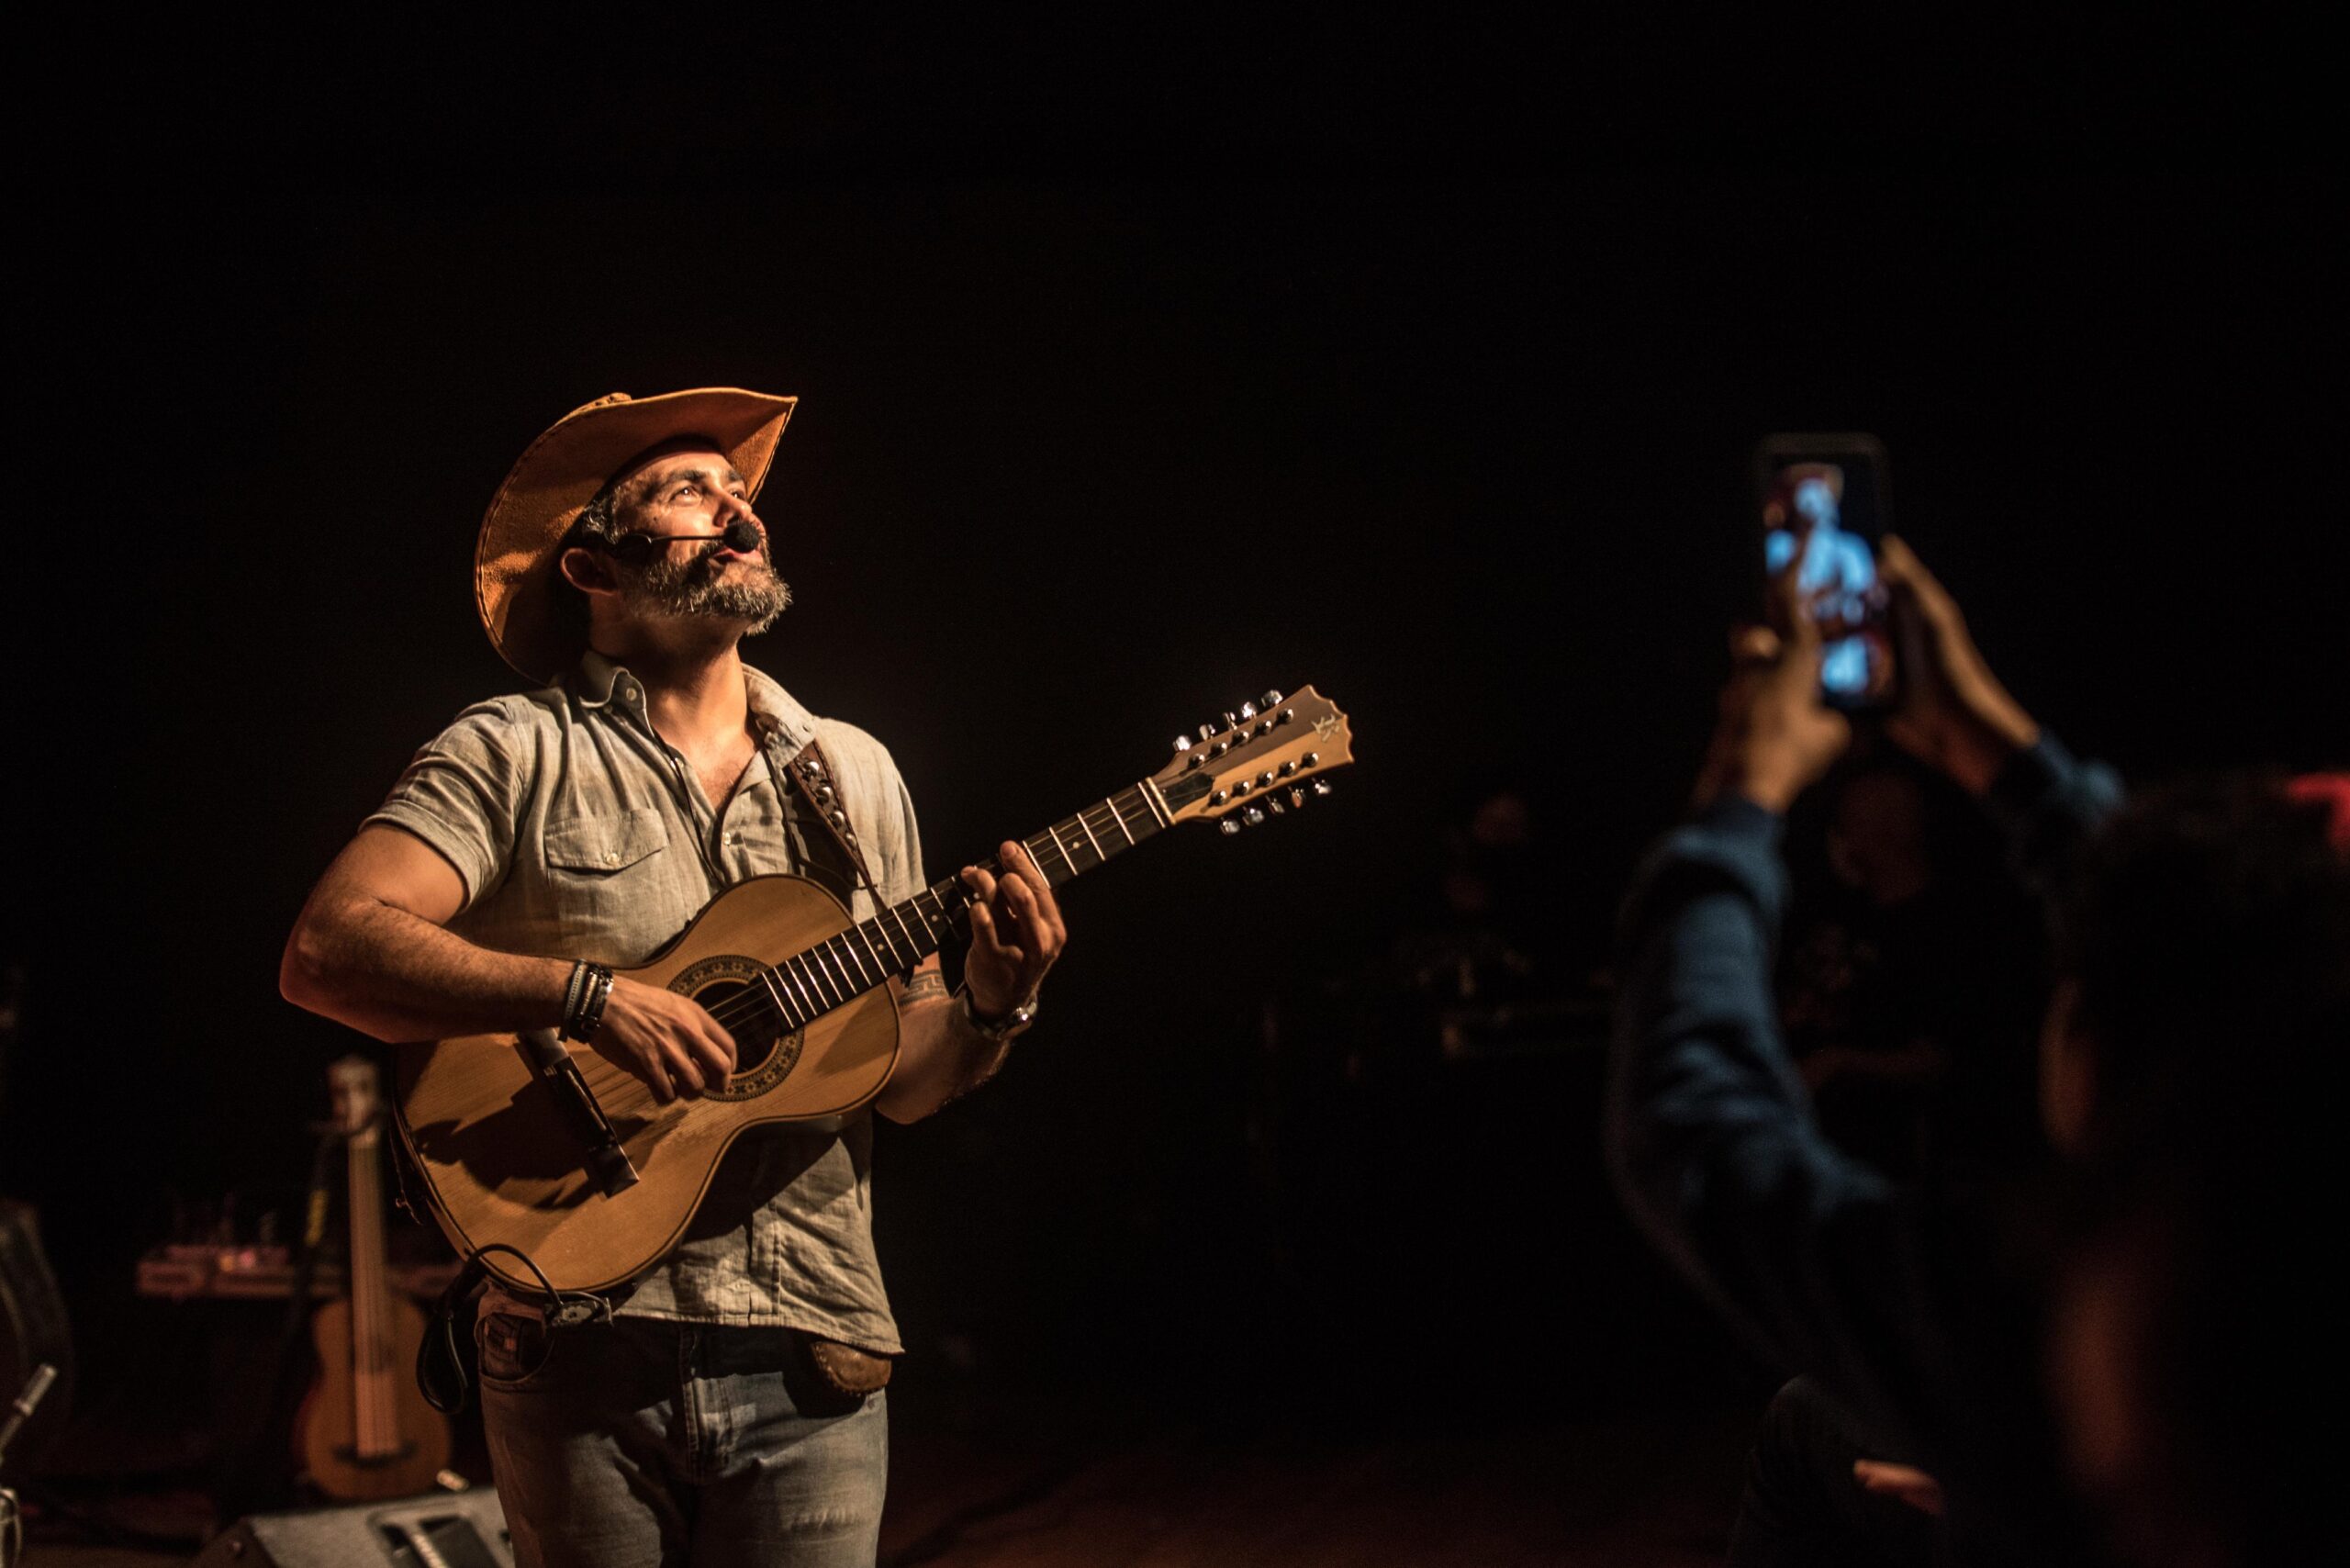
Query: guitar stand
(606, 1163)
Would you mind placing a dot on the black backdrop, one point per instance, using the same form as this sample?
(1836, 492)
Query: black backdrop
(1422, 369)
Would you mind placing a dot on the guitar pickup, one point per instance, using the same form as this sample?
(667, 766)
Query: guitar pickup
(606, 1163)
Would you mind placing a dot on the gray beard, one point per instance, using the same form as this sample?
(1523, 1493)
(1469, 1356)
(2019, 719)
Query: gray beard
(755, 596)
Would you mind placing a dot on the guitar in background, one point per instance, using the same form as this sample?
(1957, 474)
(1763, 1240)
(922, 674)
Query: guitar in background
(364, 1431)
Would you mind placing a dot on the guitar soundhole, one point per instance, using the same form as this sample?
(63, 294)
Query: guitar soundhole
(752, 1026)
(729, 987)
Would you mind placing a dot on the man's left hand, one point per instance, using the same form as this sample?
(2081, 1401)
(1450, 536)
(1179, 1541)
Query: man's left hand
(1016, 932)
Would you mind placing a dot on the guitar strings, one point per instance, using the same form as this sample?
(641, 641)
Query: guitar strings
(753, 1005)
(756, 1014)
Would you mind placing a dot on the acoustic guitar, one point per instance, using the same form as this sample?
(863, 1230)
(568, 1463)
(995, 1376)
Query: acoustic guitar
(364, 1429)
(538, 1146)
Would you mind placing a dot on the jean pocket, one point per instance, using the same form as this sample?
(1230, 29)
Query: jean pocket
(514, 1348)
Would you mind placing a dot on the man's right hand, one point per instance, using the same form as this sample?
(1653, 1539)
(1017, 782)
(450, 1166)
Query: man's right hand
(670, 1041)
(1952, 713)
(1775, 737)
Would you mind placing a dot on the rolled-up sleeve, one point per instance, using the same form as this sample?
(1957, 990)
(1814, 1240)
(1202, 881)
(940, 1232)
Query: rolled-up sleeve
(461, 795)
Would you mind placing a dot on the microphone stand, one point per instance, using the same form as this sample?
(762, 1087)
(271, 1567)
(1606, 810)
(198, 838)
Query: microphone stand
(29, 1398)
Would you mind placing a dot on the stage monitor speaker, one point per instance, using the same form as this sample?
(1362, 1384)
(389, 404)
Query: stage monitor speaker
(440, 1530)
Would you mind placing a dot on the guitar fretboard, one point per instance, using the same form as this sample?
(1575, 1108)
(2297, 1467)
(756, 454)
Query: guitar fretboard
(803, 988)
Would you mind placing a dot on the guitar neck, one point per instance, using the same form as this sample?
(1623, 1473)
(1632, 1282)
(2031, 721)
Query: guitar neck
(835, 971)
(371, 1299)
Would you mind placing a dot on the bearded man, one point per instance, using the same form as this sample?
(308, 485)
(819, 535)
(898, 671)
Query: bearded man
(731, 1408)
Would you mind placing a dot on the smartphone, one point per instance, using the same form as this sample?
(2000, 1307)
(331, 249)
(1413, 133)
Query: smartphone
(1821, 498)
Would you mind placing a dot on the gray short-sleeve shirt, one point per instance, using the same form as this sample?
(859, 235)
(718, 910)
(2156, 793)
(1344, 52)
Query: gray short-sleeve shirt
(573, 825)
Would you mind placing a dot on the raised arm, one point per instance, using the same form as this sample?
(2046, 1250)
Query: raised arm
(1709, 1133)
(1956, 716)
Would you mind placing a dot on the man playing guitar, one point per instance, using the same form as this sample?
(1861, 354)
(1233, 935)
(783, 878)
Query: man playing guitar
(730, 1408)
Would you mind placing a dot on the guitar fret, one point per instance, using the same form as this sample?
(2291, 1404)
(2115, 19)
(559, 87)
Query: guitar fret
(1098, 855)
(834, 974)
(930, 926)
(797, 989)
(871, 957)
(843, 956)
(852, 967)
(874, 927)
(1062, 849)
(812, 975)
(1157, 807)
(898, 913)
(775, 998)
(1117, 817)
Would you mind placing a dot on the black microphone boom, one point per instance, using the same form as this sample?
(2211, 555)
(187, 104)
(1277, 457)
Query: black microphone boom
(740, 535)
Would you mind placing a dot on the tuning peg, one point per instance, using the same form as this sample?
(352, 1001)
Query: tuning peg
(1297, 798)
(1321, 786)
(1207, 732)
(1252, 816)
(1248, 710)
(1269, 701)
(1273, 804)
(1231, 720)
(1228, 826)
(1182, 742)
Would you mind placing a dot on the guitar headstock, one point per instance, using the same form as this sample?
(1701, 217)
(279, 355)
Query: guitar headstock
(352, 1080)
(1262, 759)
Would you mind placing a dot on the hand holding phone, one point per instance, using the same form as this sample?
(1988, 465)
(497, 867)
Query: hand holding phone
(1822, 506)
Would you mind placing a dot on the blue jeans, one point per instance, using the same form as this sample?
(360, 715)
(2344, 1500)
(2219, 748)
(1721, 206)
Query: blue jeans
(643, 1443)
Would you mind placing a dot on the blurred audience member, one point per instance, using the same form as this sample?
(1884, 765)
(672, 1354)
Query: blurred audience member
(1909, 981)
(2206, 942)
(2195, 987)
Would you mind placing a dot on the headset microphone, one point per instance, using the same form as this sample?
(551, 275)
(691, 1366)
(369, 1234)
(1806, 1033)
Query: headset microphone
(740, 535)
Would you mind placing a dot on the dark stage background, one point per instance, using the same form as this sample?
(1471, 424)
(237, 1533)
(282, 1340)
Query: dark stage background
(1425, 374)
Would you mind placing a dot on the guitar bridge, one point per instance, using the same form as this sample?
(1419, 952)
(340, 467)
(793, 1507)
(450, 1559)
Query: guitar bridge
(606, 1163)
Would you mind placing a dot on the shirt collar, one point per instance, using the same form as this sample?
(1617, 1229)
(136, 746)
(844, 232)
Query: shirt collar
(600, 682)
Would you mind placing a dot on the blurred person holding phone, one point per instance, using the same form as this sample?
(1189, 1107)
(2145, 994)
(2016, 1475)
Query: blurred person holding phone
(1918, 1399)
(1954, 1406)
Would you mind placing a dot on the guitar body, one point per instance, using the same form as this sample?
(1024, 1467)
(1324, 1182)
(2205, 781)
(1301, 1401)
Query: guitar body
(330, 1415)
(504, 1150)
(502, 1164)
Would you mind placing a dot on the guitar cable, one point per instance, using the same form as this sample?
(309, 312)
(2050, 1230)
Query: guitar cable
(440, 1374)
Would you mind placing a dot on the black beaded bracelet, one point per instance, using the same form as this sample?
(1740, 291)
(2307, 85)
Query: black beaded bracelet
(584, 999)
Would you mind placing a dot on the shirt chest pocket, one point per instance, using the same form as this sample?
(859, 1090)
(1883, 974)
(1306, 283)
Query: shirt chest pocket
(597, 846)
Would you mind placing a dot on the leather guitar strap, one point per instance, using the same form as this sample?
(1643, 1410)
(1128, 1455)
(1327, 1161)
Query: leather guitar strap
(851, 1371)
(818, 789)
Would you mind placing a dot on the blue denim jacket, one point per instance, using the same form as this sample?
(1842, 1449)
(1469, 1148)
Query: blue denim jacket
(1710, 1136)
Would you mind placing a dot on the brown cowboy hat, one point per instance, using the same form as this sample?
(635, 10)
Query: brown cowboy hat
(515, 582)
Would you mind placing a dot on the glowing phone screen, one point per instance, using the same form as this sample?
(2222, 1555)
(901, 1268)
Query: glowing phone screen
(1829, 505)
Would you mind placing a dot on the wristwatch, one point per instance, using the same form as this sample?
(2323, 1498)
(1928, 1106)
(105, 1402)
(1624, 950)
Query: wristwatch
(1023, 1014)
